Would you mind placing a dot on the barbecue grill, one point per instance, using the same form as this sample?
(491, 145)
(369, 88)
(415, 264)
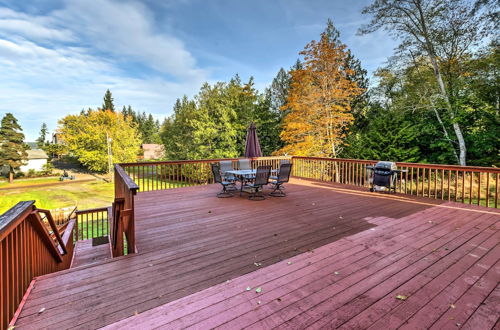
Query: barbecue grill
(384, 176)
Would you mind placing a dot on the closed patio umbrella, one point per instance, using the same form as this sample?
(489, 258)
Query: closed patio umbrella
(252, 148)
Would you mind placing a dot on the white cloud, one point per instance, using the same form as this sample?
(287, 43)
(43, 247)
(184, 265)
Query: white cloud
(125, 29)
(44, 76)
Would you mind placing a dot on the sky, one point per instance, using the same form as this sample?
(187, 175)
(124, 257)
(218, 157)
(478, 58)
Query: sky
(58, 57)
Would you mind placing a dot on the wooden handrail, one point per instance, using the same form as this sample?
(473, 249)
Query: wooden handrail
(54, 229)
(28, 250)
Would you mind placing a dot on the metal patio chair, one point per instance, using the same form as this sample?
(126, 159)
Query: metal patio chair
(225, 184)
(282, 161)
(283, 177)
(245, 164)
(261, 179)
(225, 166)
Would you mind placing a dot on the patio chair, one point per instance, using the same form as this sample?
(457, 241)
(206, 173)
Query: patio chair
(225, 184)
(261, 179)
(227, 165)
(245, 164)
(282, 161)
(283, 177)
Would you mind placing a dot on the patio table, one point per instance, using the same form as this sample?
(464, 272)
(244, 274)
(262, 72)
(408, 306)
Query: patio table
(243, 174)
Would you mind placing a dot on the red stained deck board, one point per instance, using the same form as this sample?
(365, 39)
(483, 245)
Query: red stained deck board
(390, 312)
(186, 254)
(86, 254)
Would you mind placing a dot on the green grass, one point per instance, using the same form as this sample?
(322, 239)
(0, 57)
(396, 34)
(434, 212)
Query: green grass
(84, 195)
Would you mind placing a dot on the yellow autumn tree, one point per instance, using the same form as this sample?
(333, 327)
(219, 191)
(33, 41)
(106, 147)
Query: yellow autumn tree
(318, 104)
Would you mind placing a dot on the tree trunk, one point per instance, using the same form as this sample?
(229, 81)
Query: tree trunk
(11, 177)
(437, 73)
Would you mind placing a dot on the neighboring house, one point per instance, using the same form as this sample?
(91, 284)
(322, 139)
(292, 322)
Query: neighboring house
(153, 151)
(37, 158)
(57, 138)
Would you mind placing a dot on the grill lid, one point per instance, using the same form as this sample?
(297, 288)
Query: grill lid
(389, 166)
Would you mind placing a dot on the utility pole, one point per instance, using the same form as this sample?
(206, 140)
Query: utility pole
(110, 157)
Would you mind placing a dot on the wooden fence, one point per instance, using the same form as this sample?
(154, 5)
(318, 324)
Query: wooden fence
(29, 248)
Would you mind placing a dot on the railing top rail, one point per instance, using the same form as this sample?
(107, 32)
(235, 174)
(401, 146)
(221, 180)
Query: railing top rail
(18, 211)
(197, 161)
(419, 165)
(96, 209)
(131, 185)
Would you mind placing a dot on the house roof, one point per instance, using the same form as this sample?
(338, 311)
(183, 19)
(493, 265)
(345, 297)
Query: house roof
(36, 154)
(152, 147)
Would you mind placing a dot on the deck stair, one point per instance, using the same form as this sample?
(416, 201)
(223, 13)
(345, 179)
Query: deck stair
(91, 251)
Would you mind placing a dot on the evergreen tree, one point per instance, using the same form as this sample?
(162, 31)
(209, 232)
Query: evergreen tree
(42, 139)
(108, 102)
(12, 151)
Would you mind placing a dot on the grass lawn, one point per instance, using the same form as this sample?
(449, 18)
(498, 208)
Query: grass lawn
(84, 195)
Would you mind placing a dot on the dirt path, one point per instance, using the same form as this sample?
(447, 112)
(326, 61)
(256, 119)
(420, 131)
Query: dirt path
(47, 184)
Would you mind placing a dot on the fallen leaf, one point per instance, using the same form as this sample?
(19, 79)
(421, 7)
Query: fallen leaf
(336, 273)
(459, 324)
(249, 288)
(258, 302)
(453, 306)
(289, 262)
(41, 310)
(257, 264)
(258, 290)
(401, 297)
(150, 265)
(136, 313)
(341, 217)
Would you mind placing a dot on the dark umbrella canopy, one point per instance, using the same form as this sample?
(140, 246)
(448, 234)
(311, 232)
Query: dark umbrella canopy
(252, 148)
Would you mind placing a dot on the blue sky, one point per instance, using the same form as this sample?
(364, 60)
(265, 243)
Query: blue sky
(57, 57)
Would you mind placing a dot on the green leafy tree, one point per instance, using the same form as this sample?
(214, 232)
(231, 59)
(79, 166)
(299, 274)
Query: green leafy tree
(12, 151)
(443, 31)
(85, 137)
(42, 139)
(108, 102)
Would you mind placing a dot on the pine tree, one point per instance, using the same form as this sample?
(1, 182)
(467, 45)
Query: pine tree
(41, 141)
(108, 102)
(12, 151)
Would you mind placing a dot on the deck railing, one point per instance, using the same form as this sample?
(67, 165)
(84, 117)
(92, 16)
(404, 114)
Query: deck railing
(465, 184)
(122, 220)
(92, 223)
(183, 173)
(29, 248)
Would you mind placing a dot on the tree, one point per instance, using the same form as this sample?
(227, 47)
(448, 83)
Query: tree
(86, 135)
(319, 101)
(443, 30)
(12, 151)
(42, 139)
(108, 102)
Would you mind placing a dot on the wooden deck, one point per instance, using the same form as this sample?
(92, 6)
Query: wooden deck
(324, 256)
